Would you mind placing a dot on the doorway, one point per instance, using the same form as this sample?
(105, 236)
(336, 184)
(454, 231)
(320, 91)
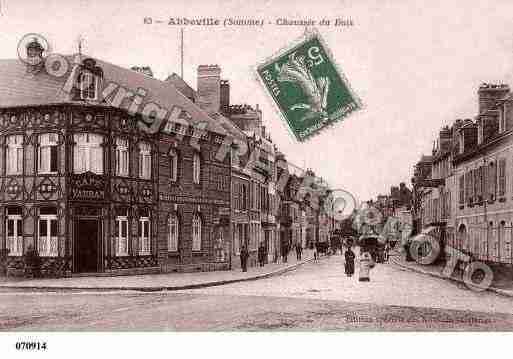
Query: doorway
(87, 254)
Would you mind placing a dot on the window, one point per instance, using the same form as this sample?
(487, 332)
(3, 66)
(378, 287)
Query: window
(14, 155)
(121, 232)
(14, 231)
(502, 119)
(244, 196)
(144, 233)
(173, 233)
(492, 181)
(88, 85)
(470, 185)
(122, 157)
(145, 161)
(173, 165)
(88, 153)
(234, 157)
(196, 233)
(196, 168)
(479, 193)
(475, 174)
(502, 177)
(47, 155)
(47, 240)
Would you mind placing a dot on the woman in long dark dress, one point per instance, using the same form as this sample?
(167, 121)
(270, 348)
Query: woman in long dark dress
(349, 262)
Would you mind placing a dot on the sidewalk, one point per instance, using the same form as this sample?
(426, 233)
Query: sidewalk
(502, 281)
(158, 282)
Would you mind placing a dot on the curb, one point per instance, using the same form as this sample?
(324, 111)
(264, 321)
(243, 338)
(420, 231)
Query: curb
(503, 292)
(156, 288)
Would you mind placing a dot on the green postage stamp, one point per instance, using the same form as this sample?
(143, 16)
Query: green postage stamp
(307, 86)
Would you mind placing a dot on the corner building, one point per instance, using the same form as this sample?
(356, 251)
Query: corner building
(92, 192)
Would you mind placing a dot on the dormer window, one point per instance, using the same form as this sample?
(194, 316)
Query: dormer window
(89, 79)
(502, 120)
(461, 147)
(480, 134)
(88, 86)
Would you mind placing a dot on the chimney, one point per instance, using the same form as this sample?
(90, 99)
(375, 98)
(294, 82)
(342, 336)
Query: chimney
(488, 94)
(490, 125)
(209, 88)
(444, 139)
(225, 96)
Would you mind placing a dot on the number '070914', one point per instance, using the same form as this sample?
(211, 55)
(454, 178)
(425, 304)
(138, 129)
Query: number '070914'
(31, 346)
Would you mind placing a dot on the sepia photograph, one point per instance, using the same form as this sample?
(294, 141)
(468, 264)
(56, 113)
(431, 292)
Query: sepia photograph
(199, 174)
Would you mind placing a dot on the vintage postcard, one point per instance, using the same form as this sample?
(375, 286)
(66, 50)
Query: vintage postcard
(244, 168)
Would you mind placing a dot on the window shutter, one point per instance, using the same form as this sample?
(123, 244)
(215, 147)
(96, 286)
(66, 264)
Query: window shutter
(76, 159)
(53, 158)
(475, 175)
(19, 160)
(492, 181)
(502, 176)
(97, 159)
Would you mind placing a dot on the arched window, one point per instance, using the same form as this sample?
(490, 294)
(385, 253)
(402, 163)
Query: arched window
(145, 161)
(14, 155)
(173, 233)
(173, 165)
(196, 232)
(122, 157)
(121, 231)
(144, 232)
(14, 227)
(47, 154)
(47, 240)
(88, 153)
(196, 168)
(88, 83)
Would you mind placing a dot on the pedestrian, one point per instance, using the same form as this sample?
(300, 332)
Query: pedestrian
(387, 249)
(284, 252)
(261, 255)
(365, 266)
(298, 251)
(244, 254)
(349, 262)
(315, 252)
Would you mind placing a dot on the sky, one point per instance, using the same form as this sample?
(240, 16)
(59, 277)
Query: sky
(416, 67)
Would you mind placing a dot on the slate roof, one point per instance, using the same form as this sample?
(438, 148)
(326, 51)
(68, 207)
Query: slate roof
(182, 86)
(20, 87)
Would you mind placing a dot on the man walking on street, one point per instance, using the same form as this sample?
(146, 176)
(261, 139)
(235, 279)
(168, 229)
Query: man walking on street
(298, 251)
(284, 252)
(244, 259)
(261, 255)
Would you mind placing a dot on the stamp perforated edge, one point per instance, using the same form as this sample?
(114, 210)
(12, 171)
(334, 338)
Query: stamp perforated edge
(307, 35)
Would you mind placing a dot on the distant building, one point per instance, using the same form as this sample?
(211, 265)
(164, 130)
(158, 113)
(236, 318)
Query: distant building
(146, 70)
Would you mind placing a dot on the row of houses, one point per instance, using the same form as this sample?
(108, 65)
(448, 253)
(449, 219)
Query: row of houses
(88, 188)
(464, 188)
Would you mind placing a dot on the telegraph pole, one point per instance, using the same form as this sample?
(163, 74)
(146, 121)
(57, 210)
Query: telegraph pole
(181, 53)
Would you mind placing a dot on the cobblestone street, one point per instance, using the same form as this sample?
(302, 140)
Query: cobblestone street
(315, 296)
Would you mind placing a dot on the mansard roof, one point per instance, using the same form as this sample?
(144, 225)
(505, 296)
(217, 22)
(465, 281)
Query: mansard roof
(21, 87)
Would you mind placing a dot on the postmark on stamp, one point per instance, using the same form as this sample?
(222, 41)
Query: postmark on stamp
(307, 86)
